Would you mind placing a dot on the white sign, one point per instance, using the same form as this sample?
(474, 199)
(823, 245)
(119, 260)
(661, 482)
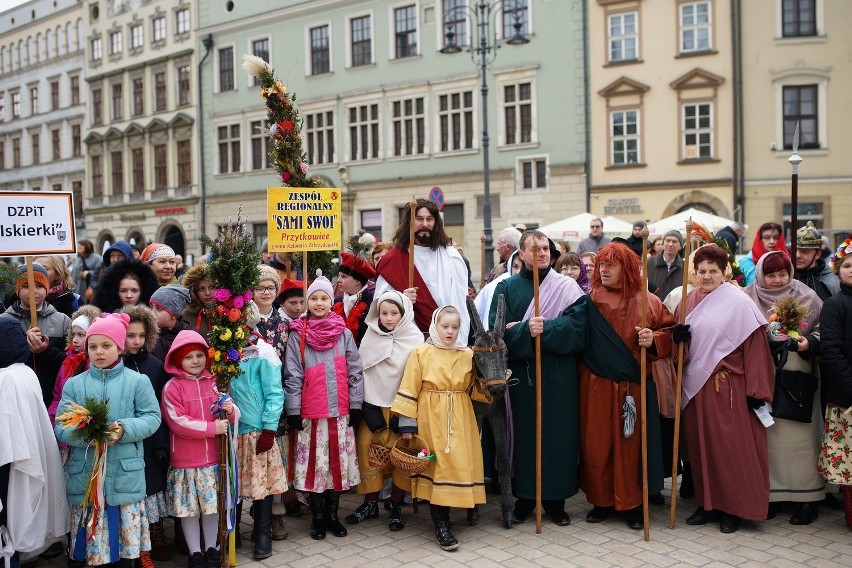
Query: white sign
(36, 222)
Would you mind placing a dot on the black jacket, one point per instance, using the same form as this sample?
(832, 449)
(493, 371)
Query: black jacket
(835, 322)
(661, 280)
(635, 243)
(106, 294)
(166, 338)
(821, 279)
(65, 303)
(157, 445)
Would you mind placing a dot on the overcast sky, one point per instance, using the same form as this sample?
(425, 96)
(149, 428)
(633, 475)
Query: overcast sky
(7, 4)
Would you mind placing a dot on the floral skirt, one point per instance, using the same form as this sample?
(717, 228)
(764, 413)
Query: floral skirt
(260, 474)
(133, 535)
(835, 460)
(191, 491)
(315, 459)
(156, 507)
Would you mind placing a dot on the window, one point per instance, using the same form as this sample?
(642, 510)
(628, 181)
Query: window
(183, 85)
(75, 90)
(260, 48)
(624, 136)
(136, 36)
(260, 232)
(138, 164)
(115, 43)
(409, 126)
(534, 174)
(77, 191)
(405, 31)
(229, 148)
(697, 131)
(516, 12)
(54, 95)
(56, 143)
(182, 21)
(320, 50)
(16, 104)
(16, 152)
(2, 107)
(362, 40)
(34, 100)
(455, 117)
(76, 141)
(184, 164)
(259, 146)
(97, 49)
(160, 91)
(117, 101)
(158, 29)
(2, 155)
(318, 131)
(455, 18)
(800, 106)
(161, 178)
(117, 173)
(364, 132)
(97, 106)
(226, 69)
(695, 27)
(495, 206)
(138, 96)
(35, 139)
(798, 18)
(97, 177)
(517, 112)
(622, 32)
(57, 187)
(371, 222)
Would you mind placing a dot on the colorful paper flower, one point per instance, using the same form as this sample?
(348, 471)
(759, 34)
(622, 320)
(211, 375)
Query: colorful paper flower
(225, 335)
(221, 294)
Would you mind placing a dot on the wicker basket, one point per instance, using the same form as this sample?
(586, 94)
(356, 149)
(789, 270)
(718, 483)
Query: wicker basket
(406, 459)
(378, 454)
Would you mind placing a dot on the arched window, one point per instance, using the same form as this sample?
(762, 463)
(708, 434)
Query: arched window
(42, 52)
(51, 46)
(79, 34)
(32, 51)
(3, 60)
(60, 42)
(69, 39)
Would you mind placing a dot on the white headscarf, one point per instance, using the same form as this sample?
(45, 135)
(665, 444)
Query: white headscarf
(435, 339)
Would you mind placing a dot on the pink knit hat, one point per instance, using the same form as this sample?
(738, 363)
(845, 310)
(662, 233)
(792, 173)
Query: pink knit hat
(321, 283)
(113, 326)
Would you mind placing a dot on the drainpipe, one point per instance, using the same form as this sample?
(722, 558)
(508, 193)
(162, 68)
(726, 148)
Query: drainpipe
(587, 119)
(207, 42)
(739, 131)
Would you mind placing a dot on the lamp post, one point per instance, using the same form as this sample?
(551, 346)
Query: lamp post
(483, 52)
(794, 160)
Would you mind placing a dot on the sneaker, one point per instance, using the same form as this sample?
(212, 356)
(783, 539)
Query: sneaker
(368, 510)
(145, 560)
(213, 557)
(196, 560)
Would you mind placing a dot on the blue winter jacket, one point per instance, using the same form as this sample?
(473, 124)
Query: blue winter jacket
(132, 402)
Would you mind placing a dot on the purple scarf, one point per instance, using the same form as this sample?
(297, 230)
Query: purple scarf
(321, 334)
(721, 322)
(556, 292)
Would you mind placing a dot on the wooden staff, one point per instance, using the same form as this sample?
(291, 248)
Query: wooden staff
(643, 380)
(679, 383)
(288, 266)
(305, 276)
(482, 274)
(223, 515)
(32, 294)
(537, 342)
(413, 206)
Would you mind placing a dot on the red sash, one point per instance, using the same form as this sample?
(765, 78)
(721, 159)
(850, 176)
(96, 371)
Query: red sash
(393, 267)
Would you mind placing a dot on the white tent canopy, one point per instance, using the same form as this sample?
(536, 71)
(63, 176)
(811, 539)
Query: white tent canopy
(712, 223)
(577, 227)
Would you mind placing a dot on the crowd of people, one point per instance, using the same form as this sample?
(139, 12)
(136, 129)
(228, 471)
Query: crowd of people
(378, 359)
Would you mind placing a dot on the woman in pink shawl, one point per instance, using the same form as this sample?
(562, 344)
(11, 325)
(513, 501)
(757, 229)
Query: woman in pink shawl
(726, 441)
(793, 446)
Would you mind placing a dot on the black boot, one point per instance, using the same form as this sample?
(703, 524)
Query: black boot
(441, 518)
(238, 539)
(317, 516)
(262, 528)
(395, 522)
(332, 523)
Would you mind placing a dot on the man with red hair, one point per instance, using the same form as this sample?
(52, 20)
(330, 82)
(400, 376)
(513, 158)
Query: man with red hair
(610, 416)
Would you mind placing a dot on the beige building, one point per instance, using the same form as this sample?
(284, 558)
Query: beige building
(661, 108)
(142, 171)
(795, 59)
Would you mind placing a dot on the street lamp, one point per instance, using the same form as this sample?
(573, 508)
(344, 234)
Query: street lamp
(483, 52)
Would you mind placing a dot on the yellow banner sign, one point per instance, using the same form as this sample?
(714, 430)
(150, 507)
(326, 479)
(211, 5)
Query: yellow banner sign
(303, 219)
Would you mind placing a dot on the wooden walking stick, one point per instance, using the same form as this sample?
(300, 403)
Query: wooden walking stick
(679, 383)
(32, 295)
(537, 342)
(305, 277)
(643, 383)
(413, 206)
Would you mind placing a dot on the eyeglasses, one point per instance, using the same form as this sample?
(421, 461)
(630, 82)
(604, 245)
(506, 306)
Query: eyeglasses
(595, 226)
(264, 289)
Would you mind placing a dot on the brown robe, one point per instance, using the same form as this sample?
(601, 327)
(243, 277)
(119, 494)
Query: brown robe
(726, 442)
(609, 462)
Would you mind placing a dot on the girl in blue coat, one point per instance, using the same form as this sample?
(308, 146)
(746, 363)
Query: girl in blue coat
(121, 528)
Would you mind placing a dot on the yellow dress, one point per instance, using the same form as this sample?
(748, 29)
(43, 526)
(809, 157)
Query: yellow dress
(434, 391)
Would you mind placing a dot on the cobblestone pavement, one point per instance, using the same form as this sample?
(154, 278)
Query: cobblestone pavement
(826, 542)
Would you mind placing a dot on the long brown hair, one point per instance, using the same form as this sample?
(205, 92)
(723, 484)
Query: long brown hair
(439, 236)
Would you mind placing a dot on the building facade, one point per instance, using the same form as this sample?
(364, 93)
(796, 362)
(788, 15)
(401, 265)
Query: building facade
(387, 116)
(141, 144)
(661, 108)
(43, 99)
(795, 59)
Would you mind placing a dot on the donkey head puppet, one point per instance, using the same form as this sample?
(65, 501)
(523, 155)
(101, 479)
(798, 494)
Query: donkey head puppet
(489, 351)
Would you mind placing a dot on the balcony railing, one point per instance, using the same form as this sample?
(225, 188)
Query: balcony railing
(147, 196)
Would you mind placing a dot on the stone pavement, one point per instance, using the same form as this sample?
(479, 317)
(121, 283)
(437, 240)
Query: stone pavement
(826, 542)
